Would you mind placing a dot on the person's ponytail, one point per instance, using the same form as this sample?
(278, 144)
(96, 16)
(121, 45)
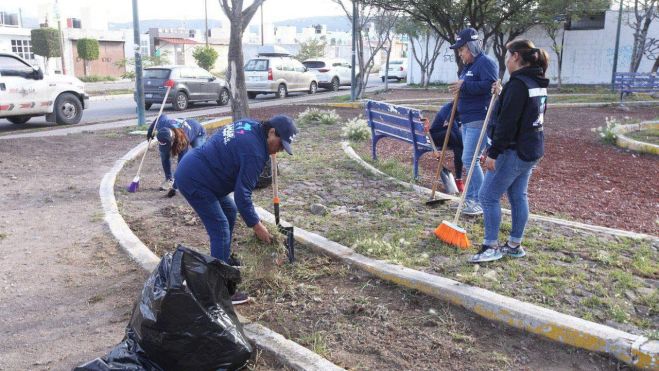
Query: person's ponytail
(531, 56)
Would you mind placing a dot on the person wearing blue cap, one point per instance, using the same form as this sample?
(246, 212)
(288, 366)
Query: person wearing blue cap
(231, 161)
(174, 137)
(475, 89)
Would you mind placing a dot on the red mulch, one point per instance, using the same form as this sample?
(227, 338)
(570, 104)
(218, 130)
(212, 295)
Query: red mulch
(580, 178)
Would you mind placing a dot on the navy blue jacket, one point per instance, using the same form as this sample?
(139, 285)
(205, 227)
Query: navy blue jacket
(476, 91)
(438, 130)
(231, 161)
(518, 116)
(192, 128)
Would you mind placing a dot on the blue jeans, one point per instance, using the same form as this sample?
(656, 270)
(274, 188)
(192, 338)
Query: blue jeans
(470, 133)
(217, 213)
(166, 155)
(511, 176)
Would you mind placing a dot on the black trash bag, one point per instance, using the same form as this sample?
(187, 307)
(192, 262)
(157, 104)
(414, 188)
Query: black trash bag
(128, 356)
(184, 319)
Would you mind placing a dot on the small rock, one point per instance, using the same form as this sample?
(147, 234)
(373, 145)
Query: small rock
(630, 295)
(491, 275)
(341, 210)
(642, 310)
(318, 209)
(13, 177)
(645, 291)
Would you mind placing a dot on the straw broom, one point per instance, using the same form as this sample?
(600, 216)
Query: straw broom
(451, 233)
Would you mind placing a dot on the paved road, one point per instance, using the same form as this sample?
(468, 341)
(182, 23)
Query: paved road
(123, 109)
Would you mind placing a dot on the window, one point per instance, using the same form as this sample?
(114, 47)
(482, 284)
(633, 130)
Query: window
(10, 66)
(22, 48)
(314, 64)
(257, 65)
(156, 73)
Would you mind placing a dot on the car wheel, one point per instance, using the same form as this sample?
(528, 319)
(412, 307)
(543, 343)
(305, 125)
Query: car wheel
(19, 119)
(223, 98)
(382, 78)
(251, 95)
(336, 84)
(147, 106)
(313, 88)
(181, 101)
(281, 91)
(68, 109)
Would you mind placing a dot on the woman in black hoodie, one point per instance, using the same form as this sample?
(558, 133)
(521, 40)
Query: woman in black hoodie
(517, 144)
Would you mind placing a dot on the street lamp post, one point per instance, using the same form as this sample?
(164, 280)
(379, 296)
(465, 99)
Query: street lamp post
(206, 20)
(353, 76)
(615, 55)
(139, 87)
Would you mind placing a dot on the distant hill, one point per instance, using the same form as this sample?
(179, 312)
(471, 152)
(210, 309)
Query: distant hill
(333, 23)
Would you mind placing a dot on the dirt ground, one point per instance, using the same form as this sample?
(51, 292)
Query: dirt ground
(352, 318)
(66, 287)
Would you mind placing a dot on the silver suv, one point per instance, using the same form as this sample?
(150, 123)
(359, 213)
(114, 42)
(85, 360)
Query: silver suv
(279, 74)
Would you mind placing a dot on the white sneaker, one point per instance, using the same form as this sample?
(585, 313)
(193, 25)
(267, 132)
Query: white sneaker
(472, 208)
(167, 185)
(486, 254)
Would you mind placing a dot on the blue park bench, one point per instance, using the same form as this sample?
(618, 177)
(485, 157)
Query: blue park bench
(397, 122)
(631, 82)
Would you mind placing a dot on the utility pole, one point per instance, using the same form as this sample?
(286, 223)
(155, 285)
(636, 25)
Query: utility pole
(615, 55)
(62, 44)
(353, 80)
(139, 86)
(262, 27)
(206, 19)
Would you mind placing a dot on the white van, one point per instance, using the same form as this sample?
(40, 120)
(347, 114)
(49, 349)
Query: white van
(25, 93)
(279, 74)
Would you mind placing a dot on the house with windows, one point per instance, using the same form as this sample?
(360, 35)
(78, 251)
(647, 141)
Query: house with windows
(16, 39)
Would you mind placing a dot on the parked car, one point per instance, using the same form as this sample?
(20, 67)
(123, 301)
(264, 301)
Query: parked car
(190, 85)
(25, 93)
(279, 74)
(397, 69)
(331, 73)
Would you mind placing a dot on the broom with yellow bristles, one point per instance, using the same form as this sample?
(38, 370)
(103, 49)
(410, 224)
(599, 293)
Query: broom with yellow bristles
(449, 232)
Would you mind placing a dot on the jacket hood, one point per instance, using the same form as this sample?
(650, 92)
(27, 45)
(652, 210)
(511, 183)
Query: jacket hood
(535, 73)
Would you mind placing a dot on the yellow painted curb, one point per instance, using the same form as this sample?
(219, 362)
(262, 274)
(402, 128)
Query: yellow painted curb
(214, 124)
(635, 145)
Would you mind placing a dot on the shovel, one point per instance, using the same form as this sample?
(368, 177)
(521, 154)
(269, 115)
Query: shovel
(287, 231)
(443, 173)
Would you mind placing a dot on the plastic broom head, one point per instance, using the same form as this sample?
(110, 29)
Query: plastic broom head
(134, 185)
(452, 235)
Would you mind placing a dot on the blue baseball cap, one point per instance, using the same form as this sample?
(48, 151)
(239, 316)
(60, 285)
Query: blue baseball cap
(285, 129)
(468, 34)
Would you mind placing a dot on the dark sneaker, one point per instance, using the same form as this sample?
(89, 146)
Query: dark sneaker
(234, 261)
(239, 298)
(513, 252)
(486, 254)
(171, 193)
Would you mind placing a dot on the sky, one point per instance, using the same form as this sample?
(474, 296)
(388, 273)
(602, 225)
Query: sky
(121, 10)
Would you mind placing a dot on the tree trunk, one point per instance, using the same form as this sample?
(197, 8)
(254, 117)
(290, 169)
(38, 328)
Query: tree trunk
(236, 74)
(655, 66)
(386, 69)
(84, 67)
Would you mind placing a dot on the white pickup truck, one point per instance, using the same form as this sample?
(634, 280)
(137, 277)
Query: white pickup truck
(25, 92)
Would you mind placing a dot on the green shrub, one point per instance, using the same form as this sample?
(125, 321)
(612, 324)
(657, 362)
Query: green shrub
(314, 116)
(96, 78)
(128, 75)
(205, 57)
(356, 130)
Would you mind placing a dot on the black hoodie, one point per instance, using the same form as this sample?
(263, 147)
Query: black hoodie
(519, 115)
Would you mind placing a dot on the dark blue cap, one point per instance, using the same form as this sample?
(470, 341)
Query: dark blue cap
(164, 136)
(286, 129)
(468, 34)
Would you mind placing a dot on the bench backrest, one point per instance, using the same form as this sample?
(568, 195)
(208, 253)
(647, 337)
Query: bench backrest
(636, 81)
(400, 122)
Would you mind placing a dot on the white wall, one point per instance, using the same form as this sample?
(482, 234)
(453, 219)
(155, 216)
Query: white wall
(588, 57)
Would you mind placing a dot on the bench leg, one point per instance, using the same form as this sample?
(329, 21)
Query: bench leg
(416, 165)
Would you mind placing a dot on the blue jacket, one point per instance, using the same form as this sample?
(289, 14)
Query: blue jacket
(231, 161)
(192, 128)
(438, 130)
(476, 91)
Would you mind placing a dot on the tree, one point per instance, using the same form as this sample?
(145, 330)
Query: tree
(46, 43)
(312, 48)
(424, 37)
(205, 57)
(644, 13)
(239, 20)
(384, 22)
(552, 15)
(448, 18)
(88, 50)
(652, 52)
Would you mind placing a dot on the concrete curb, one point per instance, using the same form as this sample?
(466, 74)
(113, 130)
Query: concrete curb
(99, 98)
(635, 145)
(567, 223)
(286, 351)
(635, 350)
